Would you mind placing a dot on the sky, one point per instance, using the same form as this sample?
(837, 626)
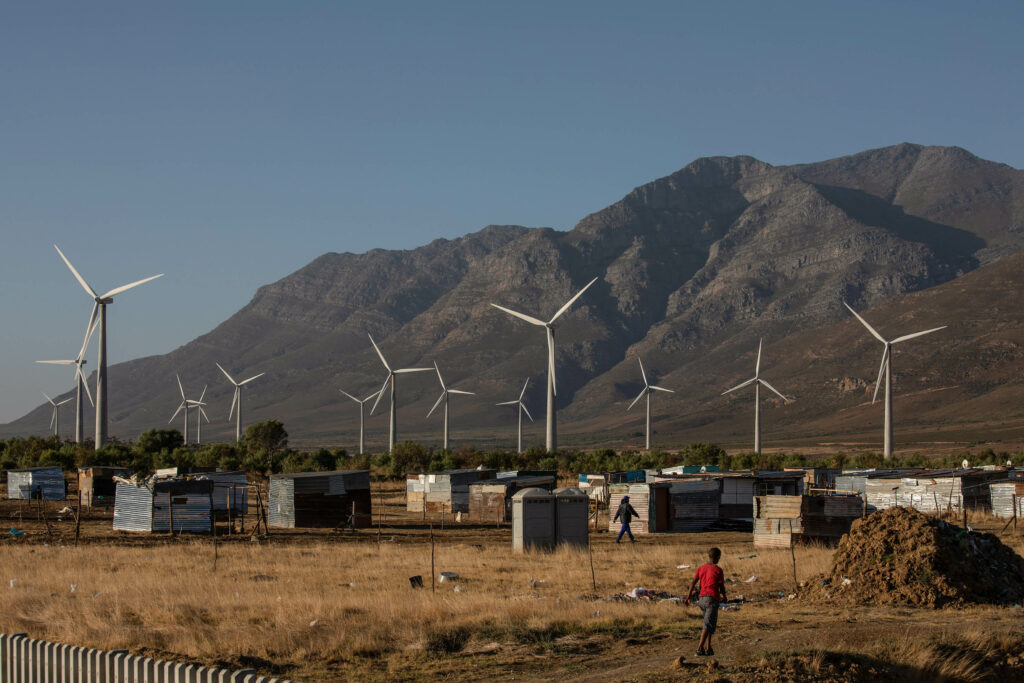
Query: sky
(227, 144)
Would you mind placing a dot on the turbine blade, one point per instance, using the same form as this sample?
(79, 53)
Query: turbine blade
(81, 280)
(376, 393)
(757, 368)
(523, 392)
(377, 349)
(671, 391)
(551, 362)
(437, 403)
(204, 392)
(404, 371)
(523, 316)
(865, 324)
(380, 394)
(642, 393)
(777, 393)
(48, 399)
(523, 406)
(67, 400)
(881, 371)
(57, 362)
(246, 381)
(226, 375)
(460, 391)
(350, 396)
(571, 301)
(642, 373)
(905, 337)
(507, 403)
(740, 386)
(125, 288)
(203, 413)
(439, 379)
(176, 412)
(180, 388)
(85, 384)
(234, 400)
(89, 330)
(53, 418)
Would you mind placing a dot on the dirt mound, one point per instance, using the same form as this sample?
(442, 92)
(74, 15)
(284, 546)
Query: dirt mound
(900, 556)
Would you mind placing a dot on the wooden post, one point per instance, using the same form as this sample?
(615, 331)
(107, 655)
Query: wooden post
(78, 514)
(1015, 512)
(792, 552)
(263, 508)
(590, 553)
(936, 501)
(170, 512)
(963, 508)
(442, 515)
(213, 530)
(433, 579)
(229, 497)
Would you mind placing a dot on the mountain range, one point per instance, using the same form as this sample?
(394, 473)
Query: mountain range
(693, 270)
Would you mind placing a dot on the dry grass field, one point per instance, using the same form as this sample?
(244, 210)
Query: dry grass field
(322, 606)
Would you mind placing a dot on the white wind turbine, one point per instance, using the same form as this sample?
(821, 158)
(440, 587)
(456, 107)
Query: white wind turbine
(520, 409)
(362, 420)
(646, 391)
(757, 382)
(392, 431)
(80, 385)
(188, 403)
(445, 391)
(551, 440)
(236, 401)
(99, 308)
(886, 367)
(54, 421)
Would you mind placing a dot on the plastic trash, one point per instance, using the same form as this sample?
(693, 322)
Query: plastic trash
(12, 582)
(416, 581)
(746, 557)
(683, 566)
(17, 532)
(752, 579)
(846, 581)
(312, 623)
(459, 589)
(74, 587)
(446, 577)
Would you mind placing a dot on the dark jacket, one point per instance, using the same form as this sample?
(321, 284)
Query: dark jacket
(625, 512)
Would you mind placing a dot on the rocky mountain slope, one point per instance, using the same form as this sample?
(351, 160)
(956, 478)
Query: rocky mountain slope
(693, 268)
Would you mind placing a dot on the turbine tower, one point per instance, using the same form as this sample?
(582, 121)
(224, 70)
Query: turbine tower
(80, 385)
(551, 440)
(445, 391)
(54, 422)
(646, 391)
(200, 416)
(362, 420)
(757, 382)
(519, 412)
(886, 367)
(99, 308)
(392, 431)
(237, 400)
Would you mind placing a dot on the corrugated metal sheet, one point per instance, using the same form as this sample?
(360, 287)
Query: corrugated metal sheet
(490, 501)
(447, 491)
(781, 520)
(133, 508)
(1002, 498)
(281, 505)
(49, 480)
(148, 506)
(695, 504)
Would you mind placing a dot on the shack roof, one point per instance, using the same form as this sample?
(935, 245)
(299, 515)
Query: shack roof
(48, 468)
(303, 475)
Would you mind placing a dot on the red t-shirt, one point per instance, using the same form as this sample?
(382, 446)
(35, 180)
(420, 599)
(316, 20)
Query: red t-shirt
(712, 580)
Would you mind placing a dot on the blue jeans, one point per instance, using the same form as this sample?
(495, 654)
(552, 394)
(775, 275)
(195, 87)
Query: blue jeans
(625, 530)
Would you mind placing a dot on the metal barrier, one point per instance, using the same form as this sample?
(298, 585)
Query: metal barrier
(27, 660)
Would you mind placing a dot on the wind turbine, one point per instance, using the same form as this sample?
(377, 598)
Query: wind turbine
(551, 440)
(188, 403)
(362, 420)
(237, 400)
(99, 308)
(80, 385)
(54, 422)
(646, 391)
(757, 382)
(445, 391)
(392, 435)
(886, 367)
(519, 412)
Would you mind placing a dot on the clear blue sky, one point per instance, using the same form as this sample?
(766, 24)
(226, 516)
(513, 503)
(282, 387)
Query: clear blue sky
(227, 144)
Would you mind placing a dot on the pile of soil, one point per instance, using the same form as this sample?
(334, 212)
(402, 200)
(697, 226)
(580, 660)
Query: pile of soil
(902, 557)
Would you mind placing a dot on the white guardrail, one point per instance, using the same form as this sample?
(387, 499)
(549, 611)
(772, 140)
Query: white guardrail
(27, 660)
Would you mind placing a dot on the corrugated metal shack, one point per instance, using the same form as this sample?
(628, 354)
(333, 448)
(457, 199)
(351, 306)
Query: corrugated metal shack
(442, 491)
(738, 489)
(155, 505)
(98, 486)
(47, 481)
(781, 521)
(668, 506)
(855, 479)
(595, 484)
(527, 473)
(1004, 495)
(936, 492)
(320, 499)
(490, 501)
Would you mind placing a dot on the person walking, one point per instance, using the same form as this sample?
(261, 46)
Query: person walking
(626, 513)
(712, 591)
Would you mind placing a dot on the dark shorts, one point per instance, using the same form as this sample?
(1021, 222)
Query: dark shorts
(709, 606)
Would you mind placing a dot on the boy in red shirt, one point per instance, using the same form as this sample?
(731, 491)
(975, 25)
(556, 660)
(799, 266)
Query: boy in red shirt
(712, 592)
